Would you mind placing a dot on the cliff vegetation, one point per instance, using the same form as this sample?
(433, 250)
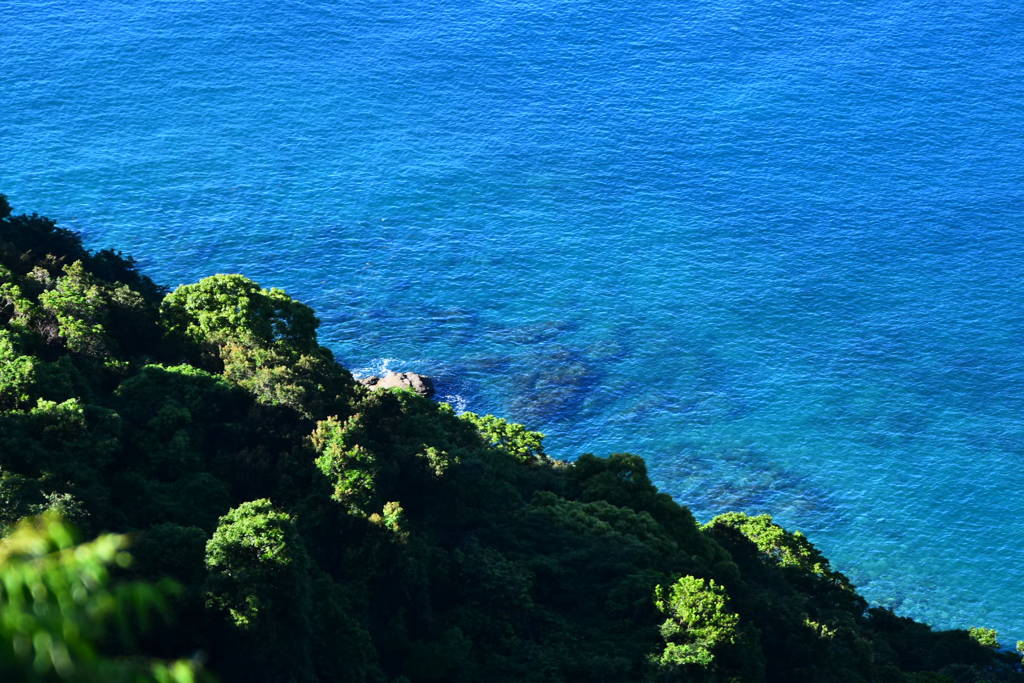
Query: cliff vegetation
(191, 488)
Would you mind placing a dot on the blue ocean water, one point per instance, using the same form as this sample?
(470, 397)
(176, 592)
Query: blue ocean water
(774, 247)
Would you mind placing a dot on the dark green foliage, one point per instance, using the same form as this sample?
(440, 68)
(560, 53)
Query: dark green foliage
(30, 241)
(18, 372)
(259, 578)
(89, 312)
(171, 550)
(260, 339)
(62, 448)
(323, 532)
(167, 411)
(349, 466)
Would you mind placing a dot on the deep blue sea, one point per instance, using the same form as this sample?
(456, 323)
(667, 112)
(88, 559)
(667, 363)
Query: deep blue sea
(775, 247)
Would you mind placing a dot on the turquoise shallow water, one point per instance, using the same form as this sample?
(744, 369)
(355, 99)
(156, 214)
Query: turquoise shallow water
(773, 247)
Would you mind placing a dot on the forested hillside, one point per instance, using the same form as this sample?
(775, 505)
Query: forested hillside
(284, 523)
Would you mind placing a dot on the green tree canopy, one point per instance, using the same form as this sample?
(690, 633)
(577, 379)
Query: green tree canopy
(232, 309)
(698, 622)
(259, 577)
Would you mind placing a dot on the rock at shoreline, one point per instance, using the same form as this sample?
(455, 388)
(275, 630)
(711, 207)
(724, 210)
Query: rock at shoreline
(421, 384)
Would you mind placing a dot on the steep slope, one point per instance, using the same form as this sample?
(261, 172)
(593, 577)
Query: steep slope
(324, 532)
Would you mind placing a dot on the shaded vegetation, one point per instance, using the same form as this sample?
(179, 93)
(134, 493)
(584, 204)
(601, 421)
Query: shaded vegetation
(303, 528)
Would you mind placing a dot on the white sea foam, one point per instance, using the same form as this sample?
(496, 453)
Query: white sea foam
(377, 367)
(456, 401)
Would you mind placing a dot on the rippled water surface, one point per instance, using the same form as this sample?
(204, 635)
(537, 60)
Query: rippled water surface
(774, 247)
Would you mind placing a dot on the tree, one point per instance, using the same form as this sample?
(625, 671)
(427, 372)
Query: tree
(262, 339)
(510, 437)
(986, 637)
(259, 578)
(225, 309)
(698, 624)
(349, 466)
(786, 549)
(17, 373)
(84, 307)
(63, 446)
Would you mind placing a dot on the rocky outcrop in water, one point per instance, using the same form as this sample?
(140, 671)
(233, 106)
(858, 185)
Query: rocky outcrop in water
(421, 384)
